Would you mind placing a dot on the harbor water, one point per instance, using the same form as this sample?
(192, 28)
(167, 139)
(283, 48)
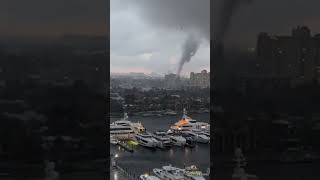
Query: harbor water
(143, 160)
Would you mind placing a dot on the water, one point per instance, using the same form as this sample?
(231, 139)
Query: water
(143, 160)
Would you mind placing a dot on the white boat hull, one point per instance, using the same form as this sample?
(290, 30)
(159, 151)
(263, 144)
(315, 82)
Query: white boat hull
(178, 141)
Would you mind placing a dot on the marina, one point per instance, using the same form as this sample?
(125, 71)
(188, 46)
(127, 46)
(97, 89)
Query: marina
(186, 131)
(144, 159)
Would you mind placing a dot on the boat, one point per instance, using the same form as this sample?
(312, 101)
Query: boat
(113, 140)
(177, 140)
(138, 127)
(187, 123)
(192, 172)
(170, 113)
(202, 133)
(147, 177)
(169, 173)
(189, 142)
(196, 137)
(146, 139)
(174, 173)
(121, 132)
(163, 139)
(124, 129)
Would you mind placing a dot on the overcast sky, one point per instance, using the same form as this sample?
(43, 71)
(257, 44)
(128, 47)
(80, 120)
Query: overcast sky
(147, 36)
(53, 17)
(272, 16)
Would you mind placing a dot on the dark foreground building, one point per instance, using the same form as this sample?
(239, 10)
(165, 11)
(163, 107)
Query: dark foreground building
(295, 56)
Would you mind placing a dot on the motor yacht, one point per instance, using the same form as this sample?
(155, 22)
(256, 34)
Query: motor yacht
(124, 129)
(190, 143)
(146, 139)
(113, 140)
(121, 132)
(203, 133)
(197, 131)
(187, 123)
(196, 137)
(170, 113)
(163, 139)
(138, 127)
(169, 173)
(177, 140)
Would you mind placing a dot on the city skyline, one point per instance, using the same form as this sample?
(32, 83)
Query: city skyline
(155, 74)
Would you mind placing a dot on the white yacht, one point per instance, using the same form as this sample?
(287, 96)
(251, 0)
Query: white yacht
(206, 133)
(146, 139)
(196, 137)
(113, 140)
(163, 139)
(170, 173)
(202, 133)
(187, 123)
(177, 140)
(125, 129)
(170, 113)
(121, 132)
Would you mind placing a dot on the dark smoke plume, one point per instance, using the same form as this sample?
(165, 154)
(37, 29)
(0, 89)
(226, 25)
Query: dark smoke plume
(189, 16)
(226, 11)
(190, 48)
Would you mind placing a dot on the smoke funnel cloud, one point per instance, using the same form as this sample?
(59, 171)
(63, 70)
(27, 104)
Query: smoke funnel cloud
(190, 48)
(227, 8)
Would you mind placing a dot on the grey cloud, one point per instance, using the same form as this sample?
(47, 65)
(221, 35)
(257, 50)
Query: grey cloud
(159, 27)
(189, 16)
(182, 15)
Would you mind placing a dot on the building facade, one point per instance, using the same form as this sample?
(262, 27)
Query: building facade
(200, 79)
(296, 56)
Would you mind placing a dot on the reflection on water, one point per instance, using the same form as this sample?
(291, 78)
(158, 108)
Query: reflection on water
(186, 152)
(171, 152)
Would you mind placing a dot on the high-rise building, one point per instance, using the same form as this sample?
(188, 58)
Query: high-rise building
(200, 79)
(296, 56)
